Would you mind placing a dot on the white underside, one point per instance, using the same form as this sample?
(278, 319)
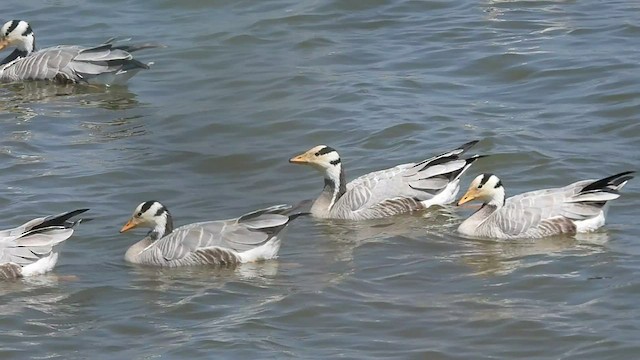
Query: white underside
(590, 224)
(446, 196)
(263, 252)
(41, 266)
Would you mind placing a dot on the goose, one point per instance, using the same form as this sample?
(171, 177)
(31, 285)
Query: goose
(402, 189)
(251, 237)
(575, 208)
(103, 64)
(30, 249)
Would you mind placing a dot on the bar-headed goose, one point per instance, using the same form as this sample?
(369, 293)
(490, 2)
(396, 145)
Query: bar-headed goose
(401, 189)
(250, 237)
(30, 249)
(103, 64)
(578, 207)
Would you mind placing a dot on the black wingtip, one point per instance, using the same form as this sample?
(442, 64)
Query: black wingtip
(297, 215)
(475, 157)
(59, 220)
(78, 212)
(614, 180)
(466, 146)
(68, 215)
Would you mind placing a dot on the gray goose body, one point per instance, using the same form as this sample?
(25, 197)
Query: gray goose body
(402, 189)
(30, 249)
(250, 237)
(103, 64)
(578, 207)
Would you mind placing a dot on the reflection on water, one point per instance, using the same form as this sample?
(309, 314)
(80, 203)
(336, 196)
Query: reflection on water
(115, 129)
(40, 293)
(79, 104)
(346, 236)
(23, 98)
(492, 257)
(201, 277)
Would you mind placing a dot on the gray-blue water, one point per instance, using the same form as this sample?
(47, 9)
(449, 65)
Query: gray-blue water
(552, 88)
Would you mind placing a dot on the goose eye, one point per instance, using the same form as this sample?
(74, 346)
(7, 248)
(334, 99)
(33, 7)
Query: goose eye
(139, 214)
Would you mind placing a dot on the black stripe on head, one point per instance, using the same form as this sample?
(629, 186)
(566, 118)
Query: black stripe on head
(325, 150)
(499, 184)
(161, 211)
(28, 31)
(335, 162)
(147, 205)
(485, 178)
(13, 26)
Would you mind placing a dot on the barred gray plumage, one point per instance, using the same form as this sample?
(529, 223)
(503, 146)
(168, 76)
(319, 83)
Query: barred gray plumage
(30, 249)
(107, 63)
(401, 189)
(577, 207)
(251, 237)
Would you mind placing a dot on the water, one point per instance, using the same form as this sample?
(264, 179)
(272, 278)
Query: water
(552, 88)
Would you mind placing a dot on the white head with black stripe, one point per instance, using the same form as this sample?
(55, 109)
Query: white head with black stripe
(151, 214)
(486, 188)
(322, 158)
(17, 33)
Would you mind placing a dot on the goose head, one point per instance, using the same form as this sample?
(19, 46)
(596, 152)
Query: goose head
(17, 33)
(323, 158)
(151, 214)
(486, 188)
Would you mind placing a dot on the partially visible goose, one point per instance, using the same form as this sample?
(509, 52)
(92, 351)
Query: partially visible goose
(401, 189)
(102, 64)
(30, 249)
(578, 207)
(251, 237)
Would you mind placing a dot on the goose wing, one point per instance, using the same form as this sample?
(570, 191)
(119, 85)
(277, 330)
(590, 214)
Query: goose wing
(67, 63)
(404, 186)
(47, 64)
(31, 241)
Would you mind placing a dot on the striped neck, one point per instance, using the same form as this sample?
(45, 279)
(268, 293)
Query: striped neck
(335, 184)
(164, 226)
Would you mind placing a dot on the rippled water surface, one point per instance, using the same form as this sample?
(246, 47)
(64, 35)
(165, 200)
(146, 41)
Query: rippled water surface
(552, 88)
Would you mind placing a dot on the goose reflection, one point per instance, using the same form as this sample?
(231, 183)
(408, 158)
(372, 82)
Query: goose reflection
(25, 101)
(347, 236)
(41, 293)
(38, 92)
(491, 258)
(202, 277)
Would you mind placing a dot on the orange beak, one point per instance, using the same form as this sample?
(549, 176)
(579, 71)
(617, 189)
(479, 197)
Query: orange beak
(300, 159)
(132, 223)
(470, 195)
(4, 42)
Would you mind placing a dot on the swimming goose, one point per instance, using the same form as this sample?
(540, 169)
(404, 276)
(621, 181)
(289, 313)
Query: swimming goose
(575, 208)
(401, 189)
(102, 64)
(251, 237)
(30, 249)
